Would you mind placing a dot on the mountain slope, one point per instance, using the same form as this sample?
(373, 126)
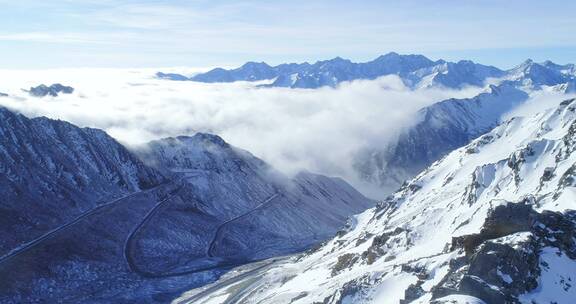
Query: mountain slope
(441, 128)
(492, 222)
(85, 220)
(255, 211)
(52, 171)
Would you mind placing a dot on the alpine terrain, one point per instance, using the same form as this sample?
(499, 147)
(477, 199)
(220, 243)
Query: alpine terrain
(491, 222)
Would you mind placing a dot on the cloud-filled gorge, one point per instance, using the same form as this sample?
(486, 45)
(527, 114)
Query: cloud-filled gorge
(318, 130)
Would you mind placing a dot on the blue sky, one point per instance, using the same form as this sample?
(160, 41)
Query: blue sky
(201, 33)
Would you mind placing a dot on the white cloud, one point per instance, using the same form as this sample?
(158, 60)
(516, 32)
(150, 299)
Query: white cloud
(319, 130)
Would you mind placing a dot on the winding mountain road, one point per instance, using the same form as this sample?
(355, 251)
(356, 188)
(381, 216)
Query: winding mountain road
(25, 247)
(210, 248)
(130, 239)
(220, 265)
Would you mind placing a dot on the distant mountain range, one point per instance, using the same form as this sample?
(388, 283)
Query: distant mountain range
(416, 71)
(84, 219)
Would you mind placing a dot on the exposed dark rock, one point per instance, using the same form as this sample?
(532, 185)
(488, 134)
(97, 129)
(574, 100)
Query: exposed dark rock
(413, 292)
(449, 284)
(376, 249)
(513, 269)
(351, 290)
(53, 90)
(567, 102)
(547, 175)
(363, 239)
(502, 220)
(344, 261)
(475, 286)
(500, 263)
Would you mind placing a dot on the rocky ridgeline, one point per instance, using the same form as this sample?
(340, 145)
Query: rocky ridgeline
(503, 260)
(53, 90)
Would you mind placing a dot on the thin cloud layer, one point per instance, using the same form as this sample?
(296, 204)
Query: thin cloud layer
(317, 130)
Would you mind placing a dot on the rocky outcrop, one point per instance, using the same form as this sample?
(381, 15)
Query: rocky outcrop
(52, 90)
(503, 260)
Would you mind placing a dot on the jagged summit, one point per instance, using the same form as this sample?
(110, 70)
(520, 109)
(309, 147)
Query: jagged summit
(535, 75)
(53, 90)
(201, 138)
(415, 70)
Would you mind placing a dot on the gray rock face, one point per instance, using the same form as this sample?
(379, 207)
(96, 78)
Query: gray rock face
(84, 219)
(503, 260)
(255, 211)
(53, 90)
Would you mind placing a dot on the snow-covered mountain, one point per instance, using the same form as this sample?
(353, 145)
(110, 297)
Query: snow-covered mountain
(492, 222)
(535, 75)
(439, 129)
(415, 70)
(86, 220)
(249, 210)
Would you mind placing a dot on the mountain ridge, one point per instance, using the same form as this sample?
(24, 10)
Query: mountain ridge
(416, 71)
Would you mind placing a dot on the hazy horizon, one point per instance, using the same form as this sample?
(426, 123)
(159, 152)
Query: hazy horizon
(125, 33)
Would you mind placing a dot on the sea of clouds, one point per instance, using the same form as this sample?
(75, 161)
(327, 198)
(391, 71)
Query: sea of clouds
(293, 129)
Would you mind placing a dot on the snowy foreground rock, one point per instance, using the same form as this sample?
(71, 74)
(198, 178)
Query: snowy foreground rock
(492, 222)
(84, 220)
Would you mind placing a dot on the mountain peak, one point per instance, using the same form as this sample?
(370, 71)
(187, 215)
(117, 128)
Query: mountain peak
(254, 64)
(206, 138)
(336, 59)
